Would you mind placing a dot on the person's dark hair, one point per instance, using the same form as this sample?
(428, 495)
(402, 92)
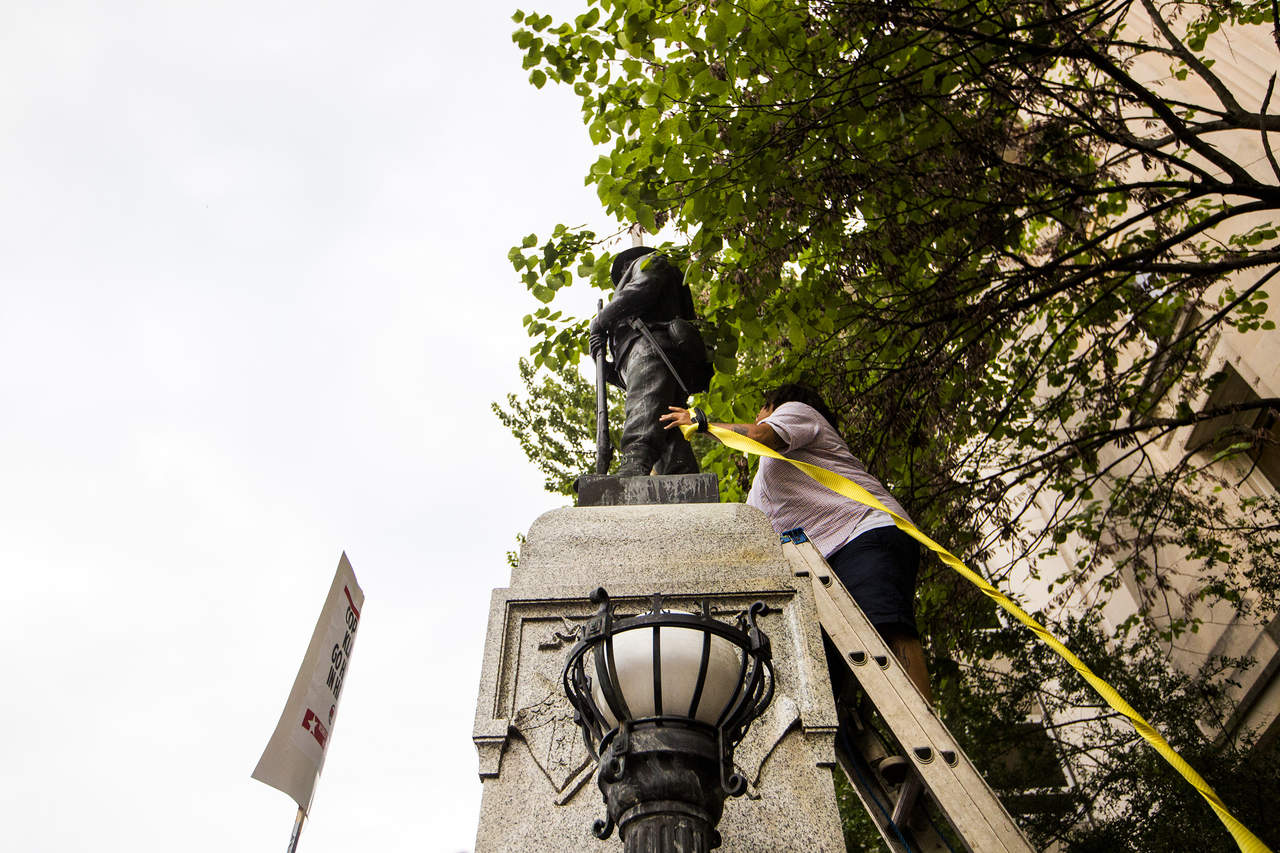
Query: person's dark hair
(795, 393)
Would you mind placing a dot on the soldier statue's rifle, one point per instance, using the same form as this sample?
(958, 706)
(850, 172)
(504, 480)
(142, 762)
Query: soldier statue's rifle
(604, 447)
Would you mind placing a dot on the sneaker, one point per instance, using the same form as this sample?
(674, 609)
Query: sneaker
(893, 769)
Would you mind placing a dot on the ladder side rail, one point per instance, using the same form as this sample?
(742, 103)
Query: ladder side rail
(937, 736)
(851, 632)
(948, 792)
(974, 784)
(867, 794)
(960, 791)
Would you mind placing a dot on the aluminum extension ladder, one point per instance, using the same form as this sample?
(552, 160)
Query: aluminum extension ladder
(937, 764)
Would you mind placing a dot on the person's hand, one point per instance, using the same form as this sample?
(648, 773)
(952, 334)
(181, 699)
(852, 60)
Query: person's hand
(596, 339)
(677, 417)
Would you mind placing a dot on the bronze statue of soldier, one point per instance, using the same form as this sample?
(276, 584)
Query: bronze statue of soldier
(659, 358)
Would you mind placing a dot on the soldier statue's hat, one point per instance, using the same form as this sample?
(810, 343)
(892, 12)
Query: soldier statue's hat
(624, 259)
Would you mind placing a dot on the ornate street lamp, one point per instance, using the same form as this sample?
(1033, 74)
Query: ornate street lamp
(662, 699)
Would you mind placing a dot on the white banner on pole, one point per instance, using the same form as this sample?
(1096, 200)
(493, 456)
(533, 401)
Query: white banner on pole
(295, 754)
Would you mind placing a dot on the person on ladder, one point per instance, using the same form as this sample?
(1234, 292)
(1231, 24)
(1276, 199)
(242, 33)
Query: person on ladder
(875, 560)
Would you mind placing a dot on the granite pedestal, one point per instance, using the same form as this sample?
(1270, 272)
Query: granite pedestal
(539, 792)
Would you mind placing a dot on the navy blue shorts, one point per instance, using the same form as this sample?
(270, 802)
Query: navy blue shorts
(879, 570)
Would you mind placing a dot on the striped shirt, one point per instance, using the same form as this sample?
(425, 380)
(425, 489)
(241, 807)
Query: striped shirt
(791, 498)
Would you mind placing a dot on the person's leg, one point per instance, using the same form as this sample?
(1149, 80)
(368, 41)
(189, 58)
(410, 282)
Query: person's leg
(879, 570)
(907, 649)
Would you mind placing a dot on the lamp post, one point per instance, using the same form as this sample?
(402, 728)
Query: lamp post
(662, 699)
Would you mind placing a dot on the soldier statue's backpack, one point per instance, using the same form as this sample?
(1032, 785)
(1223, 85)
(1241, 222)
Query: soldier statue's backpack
(691, 355)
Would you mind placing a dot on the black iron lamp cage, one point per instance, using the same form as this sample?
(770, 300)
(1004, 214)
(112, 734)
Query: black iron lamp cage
(664, 690)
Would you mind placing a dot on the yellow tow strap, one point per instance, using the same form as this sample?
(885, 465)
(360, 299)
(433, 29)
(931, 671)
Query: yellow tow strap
(1248, 842)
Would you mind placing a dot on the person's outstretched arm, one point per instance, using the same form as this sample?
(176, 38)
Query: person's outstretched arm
(761, 432)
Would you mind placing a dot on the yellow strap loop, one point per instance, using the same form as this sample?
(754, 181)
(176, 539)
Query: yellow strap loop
(1247, 841)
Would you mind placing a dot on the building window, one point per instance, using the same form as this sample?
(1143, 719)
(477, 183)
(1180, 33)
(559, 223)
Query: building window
(1029, 774)
(1029, 760)
(1258, 428)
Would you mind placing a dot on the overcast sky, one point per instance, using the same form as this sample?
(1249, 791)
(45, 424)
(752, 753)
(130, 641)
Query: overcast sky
(256, 303)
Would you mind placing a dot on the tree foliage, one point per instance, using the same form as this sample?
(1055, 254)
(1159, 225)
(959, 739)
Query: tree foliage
(555, 423)
(1129, 799)
(999, 237)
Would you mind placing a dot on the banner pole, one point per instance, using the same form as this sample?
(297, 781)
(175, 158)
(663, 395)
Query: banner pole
(297, 830)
